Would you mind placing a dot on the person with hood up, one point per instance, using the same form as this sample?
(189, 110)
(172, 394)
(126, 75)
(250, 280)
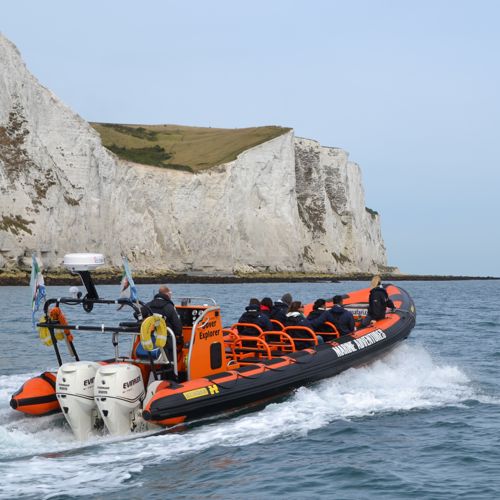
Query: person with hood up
(340, 317)
(254, 315)
(280, 308)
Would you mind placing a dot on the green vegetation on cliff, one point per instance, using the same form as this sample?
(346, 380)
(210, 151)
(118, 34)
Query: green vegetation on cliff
(179, 147)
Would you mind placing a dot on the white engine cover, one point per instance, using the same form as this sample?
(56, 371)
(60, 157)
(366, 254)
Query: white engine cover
(75, 393)
(119, 391)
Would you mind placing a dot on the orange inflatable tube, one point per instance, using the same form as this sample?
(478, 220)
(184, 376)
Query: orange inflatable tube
(37, 396)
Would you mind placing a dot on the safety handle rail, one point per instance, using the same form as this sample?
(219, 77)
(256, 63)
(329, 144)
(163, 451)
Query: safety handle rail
(92, 328)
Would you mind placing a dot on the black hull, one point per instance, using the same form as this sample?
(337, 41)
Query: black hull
(324, 361)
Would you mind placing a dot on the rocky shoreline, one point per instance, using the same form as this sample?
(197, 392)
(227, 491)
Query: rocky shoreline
(22, 278)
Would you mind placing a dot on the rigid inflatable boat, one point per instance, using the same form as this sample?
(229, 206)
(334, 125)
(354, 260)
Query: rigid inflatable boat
(157, 385)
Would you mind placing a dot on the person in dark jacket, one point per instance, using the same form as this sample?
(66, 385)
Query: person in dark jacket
(319, 307)
(295, 317)
(266, 306)
(317, 310)
(280, 308)
(254, 316)
(162, 304)
(340, 317)
(378, 301)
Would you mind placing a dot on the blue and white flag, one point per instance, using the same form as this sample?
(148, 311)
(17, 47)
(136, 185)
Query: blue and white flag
(37, 286)
(128, 290)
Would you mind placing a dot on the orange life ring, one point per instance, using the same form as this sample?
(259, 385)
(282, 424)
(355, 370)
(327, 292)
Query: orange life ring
(55, 314)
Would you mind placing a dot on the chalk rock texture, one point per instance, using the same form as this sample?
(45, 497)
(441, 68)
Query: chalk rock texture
(288, 204)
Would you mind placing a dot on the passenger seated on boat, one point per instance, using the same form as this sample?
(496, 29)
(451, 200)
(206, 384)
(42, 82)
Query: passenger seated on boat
(295, 317)
(340, 317)
(254, 315)
(378, 302)
(280, 308)
(266, 306)
(317, 310)
(162, 304)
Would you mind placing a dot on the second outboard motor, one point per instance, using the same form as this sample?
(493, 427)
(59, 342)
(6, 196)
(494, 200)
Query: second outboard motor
(119, 391)
(75, 393)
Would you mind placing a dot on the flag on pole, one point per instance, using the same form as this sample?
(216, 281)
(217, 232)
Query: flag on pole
(37, 286)
(128, 290)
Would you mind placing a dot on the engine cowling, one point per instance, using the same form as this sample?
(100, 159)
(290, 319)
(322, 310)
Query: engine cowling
(75, 393)
(119, 392)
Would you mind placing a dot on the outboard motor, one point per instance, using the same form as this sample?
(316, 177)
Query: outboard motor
(75, 393)
(119, 391)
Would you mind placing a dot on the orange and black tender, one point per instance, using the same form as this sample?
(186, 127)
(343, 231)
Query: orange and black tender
(270, 364)
(162, 382)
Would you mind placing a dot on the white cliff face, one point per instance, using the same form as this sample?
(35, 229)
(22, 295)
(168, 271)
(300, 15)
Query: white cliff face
(341, 234)
(285, 205)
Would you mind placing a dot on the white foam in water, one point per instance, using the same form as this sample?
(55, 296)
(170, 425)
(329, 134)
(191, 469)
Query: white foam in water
(405, 379)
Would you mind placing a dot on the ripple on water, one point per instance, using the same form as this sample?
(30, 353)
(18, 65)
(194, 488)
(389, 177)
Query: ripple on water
(401, 427)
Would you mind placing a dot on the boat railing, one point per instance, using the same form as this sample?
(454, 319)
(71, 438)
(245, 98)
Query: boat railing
(278, 341)
(163, 359)
(247, 329)
(301, 335)
(332, 333)
(250, 347)
(123, 328)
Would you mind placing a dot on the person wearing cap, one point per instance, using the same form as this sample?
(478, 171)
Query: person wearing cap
(254, 315)
(280, 308)
(378, 301)
(340, 317)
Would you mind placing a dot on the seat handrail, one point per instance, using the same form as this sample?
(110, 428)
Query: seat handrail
(284, 341)
(248, 325)
(261, 347)
(334, 333)
(230, 332)
(304, 329)
(278, 323)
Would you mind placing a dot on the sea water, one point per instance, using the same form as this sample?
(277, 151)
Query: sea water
(421, 422)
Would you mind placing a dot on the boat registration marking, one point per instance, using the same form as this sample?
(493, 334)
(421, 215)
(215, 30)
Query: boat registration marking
(202, 391)
(358, 344)
(357, 312)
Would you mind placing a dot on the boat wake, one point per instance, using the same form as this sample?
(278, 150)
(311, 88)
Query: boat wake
(406, 379)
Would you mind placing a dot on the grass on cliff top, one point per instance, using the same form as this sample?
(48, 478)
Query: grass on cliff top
(179, 147)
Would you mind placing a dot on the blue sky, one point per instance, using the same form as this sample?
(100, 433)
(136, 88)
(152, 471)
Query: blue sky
(410, 88)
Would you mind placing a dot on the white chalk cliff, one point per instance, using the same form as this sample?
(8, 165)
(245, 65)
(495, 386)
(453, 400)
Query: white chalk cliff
(288, 204)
